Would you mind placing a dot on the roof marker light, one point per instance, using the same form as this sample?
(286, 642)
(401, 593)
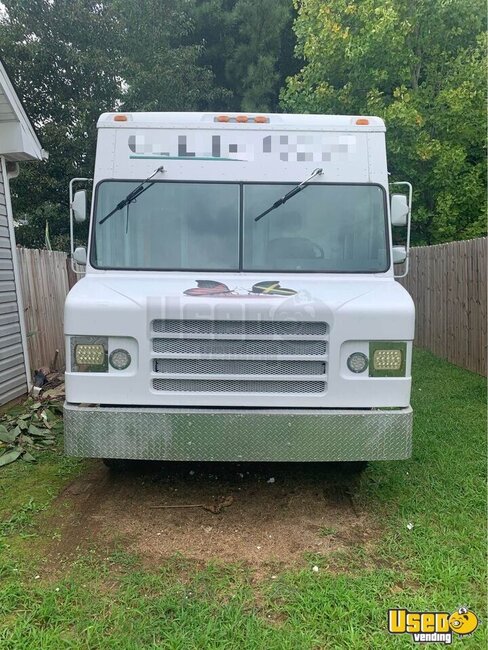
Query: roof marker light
(362, 121)
(241, 119)
(120, 118)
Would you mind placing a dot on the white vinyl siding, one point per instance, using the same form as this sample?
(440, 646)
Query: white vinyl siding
(13, 381)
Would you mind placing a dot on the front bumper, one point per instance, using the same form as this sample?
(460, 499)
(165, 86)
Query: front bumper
(237, 435)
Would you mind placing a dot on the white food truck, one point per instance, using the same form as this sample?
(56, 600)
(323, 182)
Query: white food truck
(239, 301)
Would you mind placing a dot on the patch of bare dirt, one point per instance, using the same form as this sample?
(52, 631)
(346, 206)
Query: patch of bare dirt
(255, 513)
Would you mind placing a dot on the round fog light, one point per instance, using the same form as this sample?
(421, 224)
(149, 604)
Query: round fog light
(119, 359)
(357, 362)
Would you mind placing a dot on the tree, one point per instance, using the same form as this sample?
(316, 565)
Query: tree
(62, 58)
(421, 66)
(74, 59)
(247, 45)
(255, 57)
(161, 61)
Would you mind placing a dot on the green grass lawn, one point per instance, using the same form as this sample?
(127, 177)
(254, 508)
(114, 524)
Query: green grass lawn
(114, 602)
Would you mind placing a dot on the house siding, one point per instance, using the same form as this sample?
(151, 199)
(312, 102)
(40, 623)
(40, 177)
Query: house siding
(13, 380)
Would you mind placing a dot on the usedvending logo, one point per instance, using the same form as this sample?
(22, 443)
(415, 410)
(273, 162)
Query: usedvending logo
(432, 627)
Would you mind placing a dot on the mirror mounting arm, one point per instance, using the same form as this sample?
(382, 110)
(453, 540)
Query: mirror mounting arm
(409, 224)
(71, 220)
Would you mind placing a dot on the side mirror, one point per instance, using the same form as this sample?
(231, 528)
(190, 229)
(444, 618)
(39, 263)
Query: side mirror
(399, 210)
(79, 255)
(399, 254)
(79, 206)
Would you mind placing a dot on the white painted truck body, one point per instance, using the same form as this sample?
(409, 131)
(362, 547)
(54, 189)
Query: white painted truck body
(244, 374)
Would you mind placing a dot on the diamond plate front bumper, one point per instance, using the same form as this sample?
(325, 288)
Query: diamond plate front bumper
(237, 435)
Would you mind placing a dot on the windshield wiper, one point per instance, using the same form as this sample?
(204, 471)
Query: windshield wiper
(291, 193)
(132, 196)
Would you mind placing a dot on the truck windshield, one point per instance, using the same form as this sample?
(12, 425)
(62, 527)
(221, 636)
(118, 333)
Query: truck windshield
(206, 226)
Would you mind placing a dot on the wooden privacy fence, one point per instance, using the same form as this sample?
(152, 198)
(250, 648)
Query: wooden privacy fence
(44, 281)
(448, 283)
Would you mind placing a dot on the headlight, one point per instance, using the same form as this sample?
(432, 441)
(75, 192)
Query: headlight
(357, 362)
(119, 359)
(388, 359)
(89, 353)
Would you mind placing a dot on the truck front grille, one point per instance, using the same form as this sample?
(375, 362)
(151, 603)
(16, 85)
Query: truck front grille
(253, 357)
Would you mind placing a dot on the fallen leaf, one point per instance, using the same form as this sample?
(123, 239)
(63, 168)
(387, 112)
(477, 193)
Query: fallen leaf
(35, 431)
(9, 456)
(8, 436)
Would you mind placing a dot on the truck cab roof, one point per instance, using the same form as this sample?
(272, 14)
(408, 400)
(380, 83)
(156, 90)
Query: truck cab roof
(224, 120)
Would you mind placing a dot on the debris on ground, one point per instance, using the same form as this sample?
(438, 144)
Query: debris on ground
(53, 388)
(33, 425)
(54, 393)
(48, 383)
(214, 508)
(40, 377)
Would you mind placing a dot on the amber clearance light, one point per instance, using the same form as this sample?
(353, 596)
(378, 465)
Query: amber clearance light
(242, 119)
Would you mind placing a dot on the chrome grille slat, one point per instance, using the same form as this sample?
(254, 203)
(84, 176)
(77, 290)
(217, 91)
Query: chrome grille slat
(237, 367)
(239, 346)
(239, 337)
(267, 328)
(237, 386)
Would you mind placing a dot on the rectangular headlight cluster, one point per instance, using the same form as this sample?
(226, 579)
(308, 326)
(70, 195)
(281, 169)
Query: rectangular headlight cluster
(93, 354)
(387, 359)
(89, 354)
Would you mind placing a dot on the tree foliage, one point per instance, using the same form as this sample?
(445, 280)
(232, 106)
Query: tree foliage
(249, 46)
(421, 66)
(160, 70)
(58, 54)
(74, 59)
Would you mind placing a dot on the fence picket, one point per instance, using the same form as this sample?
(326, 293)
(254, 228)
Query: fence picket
(44, 283)
(448, 283)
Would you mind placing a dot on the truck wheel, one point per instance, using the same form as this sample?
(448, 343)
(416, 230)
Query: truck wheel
(116, 464)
